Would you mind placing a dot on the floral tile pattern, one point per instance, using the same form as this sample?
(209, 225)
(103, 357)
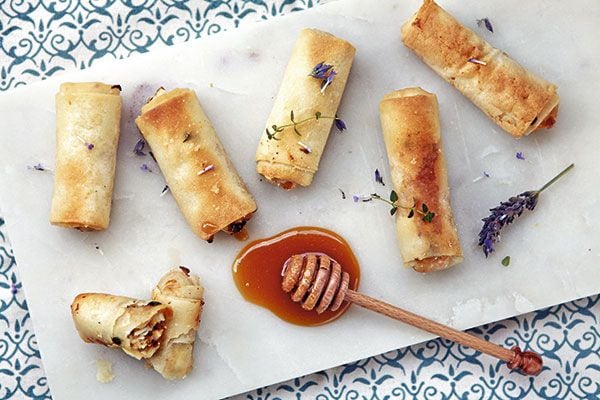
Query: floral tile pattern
(40, 38)
(566, 336)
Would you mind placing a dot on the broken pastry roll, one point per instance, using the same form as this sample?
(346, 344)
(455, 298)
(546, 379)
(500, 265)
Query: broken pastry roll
(516, 99)
(411, 131)
(291, 158)
(136, 326)
(87, 132)
(200, 175)
(183, 293)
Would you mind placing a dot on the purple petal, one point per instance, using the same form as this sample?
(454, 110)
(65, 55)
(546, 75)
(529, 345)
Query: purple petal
(139, 147)
(486, 23)
(320, 70)
(330, 77)
(360, 197)
(304, 148)
(206, 169)
(378, 177)
(488, 247)
(476, 61)
(520, 155)
(341, 125)
(90, 146)
(145, 168)
(328, 80)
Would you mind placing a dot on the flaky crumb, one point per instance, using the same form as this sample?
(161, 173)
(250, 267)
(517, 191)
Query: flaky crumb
(104, 372)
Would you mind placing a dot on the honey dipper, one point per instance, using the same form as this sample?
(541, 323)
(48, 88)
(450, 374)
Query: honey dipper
(318, 282)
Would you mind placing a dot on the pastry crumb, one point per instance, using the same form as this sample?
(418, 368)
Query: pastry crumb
(104, 372)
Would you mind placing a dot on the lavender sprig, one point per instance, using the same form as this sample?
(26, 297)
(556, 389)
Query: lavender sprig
(275, 129)
(507, 211)
(426, 214)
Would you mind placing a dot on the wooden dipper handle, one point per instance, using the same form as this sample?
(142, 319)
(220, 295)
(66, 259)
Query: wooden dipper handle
(318, 281)
(527, 362)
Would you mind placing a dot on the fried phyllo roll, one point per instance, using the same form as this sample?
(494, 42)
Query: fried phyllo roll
(313, 82)
(87, 132)
(183, 293)
(411, 130)
(200, 175)
(136, 326)
(516, 99)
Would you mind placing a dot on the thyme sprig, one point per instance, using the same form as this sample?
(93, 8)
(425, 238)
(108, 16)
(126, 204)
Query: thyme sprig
(275, 129)
(426, 214)
(507, 211)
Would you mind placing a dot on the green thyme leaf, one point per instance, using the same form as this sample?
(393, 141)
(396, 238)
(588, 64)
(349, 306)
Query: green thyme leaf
(296, 130)
(318, 115)
(393, 210)
(393, 196)
(292, 116)
(424, 208)
(187, 137)
(506, 261)
(271, 136)
(411, 213)
(428, 217)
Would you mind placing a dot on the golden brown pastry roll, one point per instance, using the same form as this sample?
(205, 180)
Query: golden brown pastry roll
(136, 326)
(87, 132)
(411, 131)
(293, 160)
(202, 179)
(183, 293)
(519, 101)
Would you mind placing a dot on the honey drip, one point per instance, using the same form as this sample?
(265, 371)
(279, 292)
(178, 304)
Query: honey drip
(209, 228)
(242, 235)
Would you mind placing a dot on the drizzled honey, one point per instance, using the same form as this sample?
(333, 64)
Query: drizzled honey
(257, 271)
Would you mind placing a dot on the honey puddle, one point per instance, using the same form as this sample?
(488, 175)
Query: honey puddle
(257, 271)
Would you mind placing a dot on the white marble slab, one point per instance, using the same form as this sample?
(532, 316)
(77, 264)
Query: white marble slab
(555, 251)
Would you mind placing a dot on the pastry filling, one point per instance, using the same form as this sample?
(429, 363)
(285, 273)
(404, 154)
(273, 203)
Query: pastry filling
(432, 263)
(147, 337)
(235, 227)
(284, 183)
